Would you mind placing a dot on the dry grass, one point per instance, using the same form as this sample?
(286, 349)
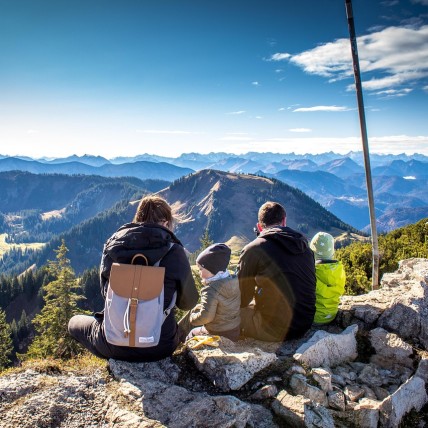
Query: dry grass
(5, 246)
(84, 363)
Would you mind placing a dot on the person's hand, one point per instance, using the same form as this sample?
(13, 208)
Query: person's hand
(197, 308)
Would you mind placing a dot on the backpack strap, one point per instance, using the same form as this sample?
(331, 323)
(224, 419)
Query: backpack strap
(170, 245)
(168, 310)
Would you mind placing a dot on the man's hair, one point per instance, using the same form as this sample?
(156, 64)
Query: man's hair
(154, 209)
(271, 213)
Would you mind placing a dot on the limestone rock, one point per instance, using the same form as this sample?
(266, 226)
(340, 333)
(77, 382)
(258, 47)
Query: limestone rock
(336, 400)
(35, 399)
(266, 391)
(399, 306)
(411, 395)
(261, 417)
(325, 349)
(299, 386)
(368, 392)
(298, 411)
(391, 347)
(296, 369)
(318, 416)
(172, 405)
(366, 413)
(290, 408)
(231, 365)
(353, 392)
(370, 376)
(422, 370)
(323, 378)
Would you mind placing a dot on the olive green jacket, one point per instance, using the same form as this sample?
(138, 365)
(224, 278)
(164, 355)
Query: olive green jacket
(220, 305)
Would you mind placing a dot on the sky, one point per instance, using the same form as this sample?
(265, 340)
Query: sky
(166, 77)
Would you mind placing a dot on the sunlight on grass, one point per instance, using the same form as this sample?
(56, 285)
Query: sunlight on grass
(84, 363)
(5, 246)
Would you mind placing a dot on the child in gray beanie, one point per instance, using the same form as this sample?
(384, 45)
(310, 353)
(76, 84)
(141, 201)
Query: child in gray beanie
(219, 310)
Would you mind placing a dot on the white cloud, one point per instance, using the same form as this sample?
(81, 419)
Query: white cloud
(424, 2)
(259, 117)
(281, 109)
(237, 112)
(321, 108)
(236, 137)
(392, 93)
(255, 83)
(300, 130)
(159, 131)
(280, 56)
(398, 55)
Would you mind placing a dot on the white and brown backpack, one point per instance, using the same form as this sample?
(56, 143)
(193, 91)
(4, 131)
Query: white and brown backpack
(133, 312)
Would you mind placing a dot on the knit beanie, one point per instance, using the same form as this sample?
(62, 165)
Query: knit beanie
(215, 258)
(322, 244)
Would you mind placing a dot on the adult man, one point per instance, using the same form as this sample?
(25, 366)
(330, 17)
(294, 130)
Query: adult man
(277, 270)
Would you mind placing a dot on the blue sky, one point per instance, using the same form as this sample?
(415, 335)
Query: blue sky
(121, 78)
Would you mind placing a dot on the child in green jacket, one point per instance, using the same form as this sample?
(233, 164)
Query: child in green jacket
(330, 278)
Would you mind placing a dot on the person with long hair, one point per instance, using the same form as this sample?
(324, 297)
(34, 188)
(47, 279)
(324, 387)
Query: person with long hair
(150, 233)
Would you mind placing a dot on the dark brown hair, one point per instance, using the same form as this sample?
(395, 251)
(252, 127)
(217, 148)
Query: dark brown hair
(154, 209)
(271, 213)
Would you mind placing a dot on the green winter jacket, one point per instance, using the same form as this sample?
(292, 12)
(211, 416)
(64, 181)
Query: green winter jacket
(330, 286)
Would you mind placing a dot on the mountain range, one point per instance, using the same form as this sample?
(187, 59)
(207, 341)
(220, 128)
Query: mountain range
(223, 204)
(337, 182)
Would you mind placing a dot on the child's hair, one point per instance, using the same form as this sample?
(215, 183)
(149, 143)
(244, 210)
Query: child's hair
(215, 258)
(154, 209)
(322, 244)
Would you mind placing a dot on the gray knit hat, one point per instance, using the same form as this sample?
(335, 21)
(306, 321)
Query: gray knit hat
(215, 258)
(322, 244)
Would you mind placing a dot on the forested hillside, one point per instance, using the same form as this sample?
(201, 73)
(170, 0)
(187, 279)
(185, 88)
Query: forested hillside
(226, 204)
(403, 243)
(36, 209)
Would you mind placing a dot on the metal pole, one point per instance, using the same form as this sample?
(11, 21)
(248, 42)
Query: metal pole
(359, 90)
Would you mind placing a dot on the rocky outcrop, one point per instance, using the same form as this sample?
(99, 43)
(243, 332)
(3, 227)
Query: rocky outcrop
(231, 365)
(399, 306)
(364, 370)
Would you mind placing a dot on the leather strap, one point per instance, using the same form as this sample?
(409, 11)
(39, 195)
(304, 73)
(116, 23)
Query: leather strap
(133, 305)
(134, 300)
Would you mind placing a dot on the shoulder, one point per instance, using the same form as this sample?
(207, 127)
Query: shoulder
(254, 245)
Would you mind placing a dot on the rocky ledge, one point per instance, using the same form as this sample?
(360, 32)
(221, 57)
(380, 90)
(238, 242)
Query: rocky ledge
(368, 369)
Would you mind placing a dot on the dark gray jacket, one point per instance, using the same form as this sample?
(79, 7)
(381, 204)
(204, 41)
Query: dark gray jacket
(277, 269)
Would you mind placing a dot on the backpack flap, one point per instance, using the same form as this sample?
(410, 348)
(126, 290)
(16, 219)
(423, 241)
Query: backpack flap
(140, 282)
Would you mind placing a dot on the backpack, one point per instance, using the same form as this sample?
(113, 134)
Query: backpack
(134, 303)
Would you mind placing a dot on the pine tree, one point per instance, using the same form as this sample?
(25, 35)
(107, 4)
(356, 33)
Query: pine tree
(206, 241)
(5, 341)
(52, 338)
